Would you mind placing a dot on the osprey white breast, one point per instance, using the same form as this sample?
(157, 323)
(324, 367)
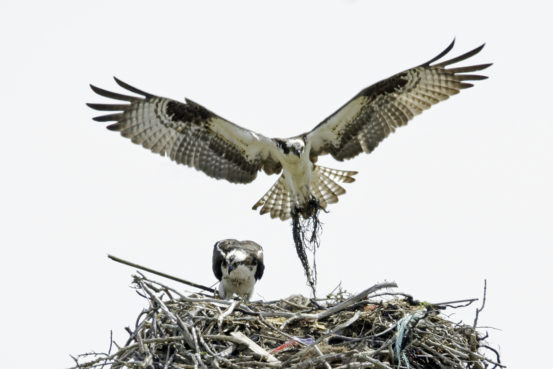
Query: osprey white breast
(237, 265)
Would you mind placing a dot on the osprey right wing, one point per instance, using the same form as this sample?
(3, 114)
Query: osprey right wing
(370, 116)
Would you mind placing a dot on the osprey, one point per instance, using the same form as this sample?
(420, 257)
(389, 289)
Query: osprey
(237, 265)
(192, 135)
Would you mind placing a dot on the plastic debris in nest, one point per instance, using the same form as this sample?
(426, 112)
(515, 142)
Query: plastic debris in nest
(376, 328)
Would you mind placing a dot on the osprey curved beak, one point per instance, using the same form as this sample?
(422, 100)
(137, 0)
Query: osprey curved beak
(231, 267)
(295, 151)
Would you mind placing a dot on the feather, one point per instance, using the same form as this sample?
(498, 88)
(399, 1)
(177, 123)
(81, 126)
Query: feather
(188, 133)
(370, 116)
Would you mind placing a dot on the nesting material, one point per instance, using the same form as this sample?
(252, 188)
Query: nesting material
(306, 232)
(377, 328)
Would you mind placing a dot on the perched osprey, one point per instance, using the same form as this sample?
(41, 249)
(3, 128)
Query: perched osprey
(237, 265)
(190, 134)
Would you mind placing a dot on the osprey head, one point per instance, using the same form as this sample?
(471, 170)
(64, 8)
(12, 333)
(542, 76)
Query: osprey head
(289, 146)
(237, 258)
(238, 265)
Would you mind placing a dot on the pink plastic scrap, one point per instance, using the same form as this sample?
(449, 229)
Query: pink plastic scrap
(293, 343)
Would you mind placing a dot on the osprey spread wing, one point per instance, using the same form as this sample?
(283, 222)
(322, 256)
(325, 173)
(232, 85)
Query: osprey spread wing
(190, 134)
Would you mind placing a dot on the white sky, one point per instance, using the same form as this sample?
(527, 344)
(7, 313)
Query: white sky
(462, 194)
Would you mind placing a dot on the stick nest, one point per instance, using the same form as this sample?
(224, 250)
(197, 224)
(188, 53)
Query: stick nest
(373, 329)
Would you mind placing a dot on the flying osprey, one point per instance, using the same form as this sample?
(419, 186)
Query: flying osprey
(237, 265)
(190, 134)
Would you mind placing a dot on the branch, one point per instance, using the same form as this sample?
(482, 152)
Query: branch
(227, 312)
(352, 300)
(254, 347)
(337, 308)
(168, 276)
(478, 310)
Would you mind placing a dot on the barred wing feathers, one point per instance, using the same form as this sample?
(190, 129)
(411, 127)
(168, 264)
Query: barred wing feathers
(189, 134)
(369, 117)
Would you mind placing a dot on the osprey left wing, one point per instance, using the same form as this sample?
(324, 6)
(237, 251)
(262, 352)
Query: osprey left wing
(189, 134)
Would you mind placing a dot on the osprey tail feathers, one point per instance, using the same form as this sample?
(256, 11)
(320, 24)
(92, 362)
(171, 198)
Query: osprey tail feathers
(279, 201)
(324, 186)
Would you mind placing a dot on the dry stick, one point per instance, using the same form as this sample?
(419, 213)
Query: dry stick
(320, 339)
(227, 312)
(478, 310)
(339, 327)
(196, 345)
(127, 348)
(467, 302)
(244, 309)
(327, 365)
(181, 296)
(381, 333)
(254, 347)
(174, 318)
(341, 306)
(352, 300)
(312, 362)
(435, 352)
(498, 363)
(168, 276)
(293, 316)
(325, 336)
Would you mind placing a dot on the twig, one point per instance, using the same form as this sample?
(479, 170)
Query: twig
(326, 335)
(318, 351)
(227, 312)
(254, 347)
(478, 310)
(352, 300)
(341, 306)
(498, 363)
(165, 275)
(465, 302)
(174, 318)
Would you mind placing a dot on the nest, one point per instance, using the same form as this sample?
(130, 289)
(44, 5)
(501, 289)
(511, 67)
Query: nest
(373, 329)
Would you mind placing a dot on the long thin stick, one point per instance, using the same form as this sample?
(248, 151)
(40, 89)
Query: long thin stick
(479, 310)
(254, 347)
(352, 300)
(119, 260)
